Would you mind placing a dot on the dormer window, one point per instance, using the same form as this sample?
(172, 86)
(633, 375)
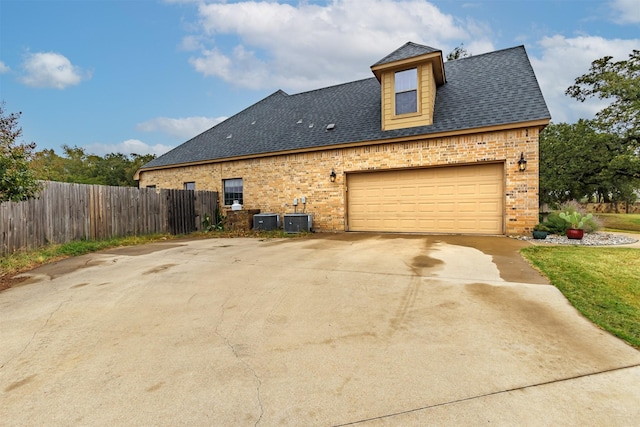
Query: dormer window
(409, 78)
(406, 91)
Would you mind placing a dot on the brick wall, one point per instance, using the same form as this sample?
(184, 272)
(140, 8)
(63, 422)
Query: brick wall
(271, 183)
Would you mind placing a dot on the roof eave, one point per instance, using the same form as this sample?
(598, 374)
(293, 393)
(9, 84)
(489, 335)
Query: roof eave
(542, 123)
(435, 57)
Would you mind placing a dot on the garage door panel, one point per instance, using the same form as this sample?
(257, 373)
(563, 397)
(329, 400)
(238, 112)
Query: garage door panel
(467, 207)
(426, 191)
(406, 208)
(488, 207)
(408, 192)
(445, 190)
(446, 207)
(426, 208)
(467, 190)
(404, 224)
(487, 223)
(467, 224)
(490, 189)
(404, 175)
(389, 209)
(445, 224)
(459, 199)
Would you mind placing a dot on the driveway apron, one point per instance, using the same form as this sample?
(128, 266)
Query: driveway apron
(334, 329)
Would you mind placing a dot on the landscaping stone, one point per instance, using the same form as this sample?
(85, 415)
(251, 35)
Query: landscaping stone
(590, 239)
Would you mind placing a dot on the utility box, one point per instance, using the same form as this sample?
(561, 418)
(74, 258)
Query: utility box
(266, 221)
(298, 222)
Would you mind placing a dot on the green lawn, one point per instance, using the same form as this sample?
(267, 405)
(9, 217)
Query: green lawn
(621, 222)
(602, 283)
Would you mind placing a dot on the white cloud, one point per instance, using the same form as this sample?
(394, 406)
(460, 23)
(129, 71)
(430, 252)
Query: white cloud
(565, 59)
(51, 70)
(191, 43)
(187, 127)
(627, 11)
(302, 46)
(305, 46)
(4, 68)
(130, 146)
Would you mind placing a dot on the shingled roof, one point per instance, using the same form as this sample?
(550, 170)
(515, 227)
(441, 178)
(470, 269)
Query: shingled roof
(408, 50)
(492, 89)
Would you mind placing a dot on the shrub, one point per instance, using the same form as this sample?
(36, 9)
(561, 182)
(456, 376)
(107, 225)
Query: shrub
(591, 224)
(555, 224)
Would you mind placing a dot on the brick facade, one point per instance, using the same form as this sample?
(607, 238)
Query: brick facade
(272, 182)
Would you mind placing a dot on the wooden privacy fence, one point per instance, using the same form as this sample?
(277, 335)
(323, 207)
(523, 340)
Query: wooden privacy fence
(65, 212)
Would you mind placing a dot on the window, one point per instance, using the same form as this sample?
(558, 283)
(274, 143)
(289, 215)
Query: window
(190, 185)
(151, 186)
(232, 191)
(406, 91)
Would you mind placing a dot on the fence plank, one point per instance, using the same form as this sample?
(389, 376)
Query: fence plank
(64, 212)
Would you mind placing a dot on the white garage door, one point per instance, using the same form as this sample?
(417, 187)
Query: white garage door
(454, 199)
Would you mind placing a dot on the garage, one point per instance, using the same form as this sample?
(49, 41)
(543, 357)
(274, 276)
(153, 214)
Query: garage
(453, 199)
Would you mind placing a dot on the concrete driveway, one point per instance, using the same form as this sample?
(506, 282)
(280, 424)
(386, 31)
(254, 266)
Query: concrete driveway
(344, 329)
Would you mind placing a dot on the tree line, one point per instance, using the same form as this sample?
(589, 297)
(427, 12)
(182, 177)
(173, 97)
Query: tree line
(76, 165)
(22, 168)
(596, 160)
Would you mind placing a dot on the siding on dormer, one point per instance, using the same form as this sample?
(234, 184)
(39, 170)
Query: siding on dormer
(426, 100)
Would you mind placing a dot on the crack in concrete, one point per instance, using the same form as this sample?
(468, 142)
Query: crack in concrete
(241, 360)
(34, 334)
(480, 396)
(255, 377)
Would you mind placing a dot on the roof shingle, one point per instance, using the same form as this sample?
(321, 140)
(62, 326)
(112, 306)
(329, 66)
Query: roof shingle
(491, 89)
(408, 50)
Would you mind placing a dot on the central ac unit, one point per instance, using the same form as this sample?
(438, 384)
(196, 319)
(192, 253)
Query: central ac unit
(266, 221)
(297, 222)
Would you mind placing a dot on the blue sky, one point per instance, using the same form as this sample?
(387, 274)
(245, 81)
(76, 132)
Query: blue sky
(143, 76)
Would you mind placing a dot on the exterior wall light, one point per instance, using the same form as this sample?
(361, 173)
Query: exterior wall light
(522, 163)
(332, 176)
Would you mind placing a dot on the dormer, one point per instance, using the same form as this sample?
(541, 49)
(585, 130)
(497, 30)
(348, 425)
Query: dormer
(408, 78)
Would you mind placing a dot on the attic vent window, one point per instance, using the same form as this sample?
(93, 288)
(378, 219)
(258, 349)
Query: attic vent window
(229, 136)
(299, 121)
(253, 122)
(331, 126)
(311, 125)
(406, 91)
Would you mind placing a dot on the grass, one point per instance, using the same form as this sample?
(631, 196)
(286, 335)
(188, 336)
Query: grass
(620, 222)
(22, 261)
(602, 283)
(25, 260)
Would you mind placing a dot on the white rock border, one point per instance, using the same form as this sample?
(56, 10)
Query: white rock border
(591, 239)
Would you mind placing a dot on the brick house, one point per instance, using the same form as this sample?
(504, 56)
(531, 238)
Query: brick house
(424, 146)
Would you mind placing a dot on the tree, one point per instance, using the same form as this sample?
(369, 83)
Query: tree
(615, 133)
(619, 82)
(457, 53)
(77, 166)
(17, 181)
(48, 166)
(136, 161)
(579, 161)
